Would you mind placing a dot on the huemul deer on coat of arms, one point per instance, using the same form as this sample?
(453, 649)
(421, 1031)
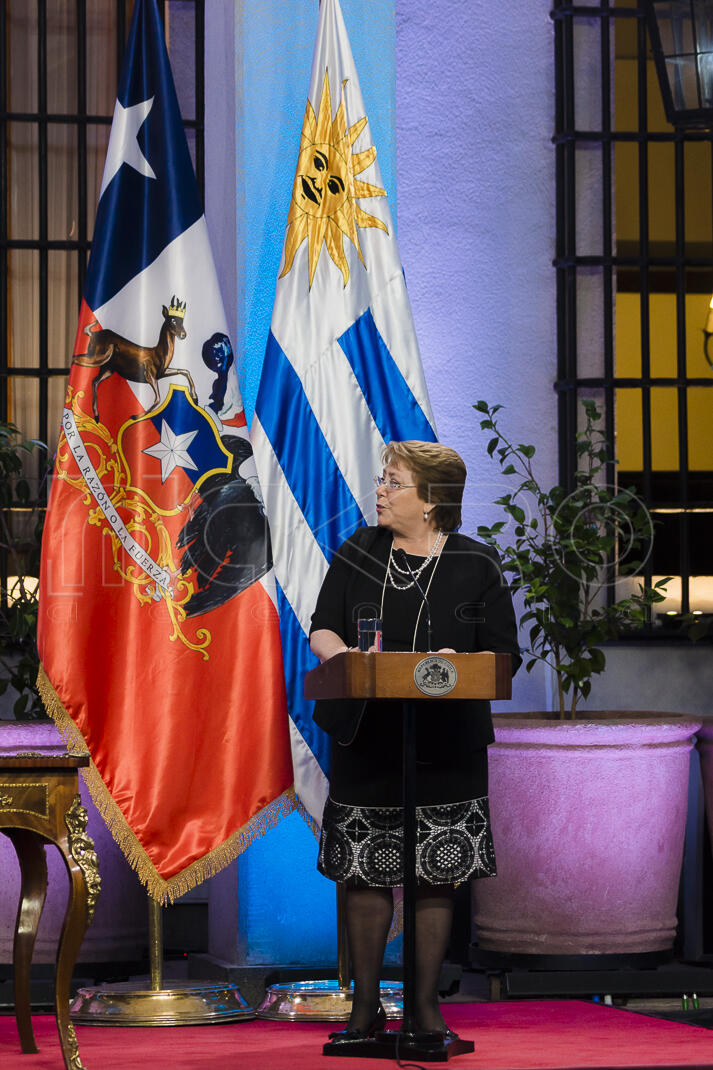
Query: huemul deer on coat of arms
(111, 353)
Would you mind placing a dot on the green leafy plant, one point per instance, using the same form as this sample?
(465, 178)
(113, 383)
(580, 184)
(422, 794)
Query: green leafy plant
(697, 628)
(565, 548)
(21, 523)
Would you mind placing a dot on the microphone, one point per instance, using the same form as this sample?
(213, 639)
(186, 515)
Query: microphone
(401, 554)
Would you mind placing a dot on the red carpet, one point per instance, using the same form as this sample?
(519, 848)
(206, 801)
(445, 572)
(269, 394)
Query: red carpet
(532, 1035)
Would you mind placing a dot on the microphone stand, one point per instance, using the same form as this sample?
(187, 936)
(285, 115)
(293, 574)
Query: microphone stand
(408, 1037)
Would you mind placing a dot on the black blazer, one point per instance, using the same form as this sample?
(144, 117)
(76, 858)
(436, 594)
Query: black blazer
(471, 609)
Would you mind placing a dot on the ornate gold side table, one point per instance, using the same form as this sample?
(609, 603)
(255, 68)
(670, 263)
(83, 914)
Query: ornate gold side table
(40, 804)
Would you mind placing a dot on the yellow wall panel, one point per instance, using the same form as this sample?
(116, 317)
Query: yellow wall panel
(664, 403)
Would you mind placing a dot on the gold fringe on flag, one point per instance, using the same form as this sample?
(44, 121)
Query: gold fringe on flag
(307, 817)
(163, 891)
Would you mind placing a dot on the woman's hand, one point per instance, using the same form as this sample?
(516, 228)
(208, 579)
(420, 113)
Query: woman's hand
(446, 650)
(326, 644)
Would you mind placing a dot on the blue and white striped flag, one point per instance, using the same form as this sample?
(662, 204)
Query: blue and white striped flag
(342, 372)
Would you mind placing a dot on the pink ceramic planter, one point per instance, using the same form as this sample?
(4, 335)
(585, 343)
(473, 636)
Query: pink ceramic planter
(588, 822)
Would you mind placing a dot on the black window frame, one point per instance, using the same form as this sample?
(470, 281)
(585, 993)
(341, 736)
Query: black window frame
(651, 263)
(81, 245)
(36, 467)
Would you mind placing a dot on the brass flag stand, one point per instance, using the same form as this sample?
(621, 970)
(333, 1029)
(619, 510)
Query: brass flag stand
(326, 1001)
(131, 1003)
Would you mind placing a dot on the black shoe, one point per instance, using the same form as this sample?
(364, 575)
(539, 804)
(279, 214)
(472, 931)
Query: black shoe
(435, 1037)
(352, 1036)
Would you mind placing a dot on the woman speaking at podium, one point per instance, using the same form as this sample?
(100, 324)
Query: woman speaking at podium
(412, 570)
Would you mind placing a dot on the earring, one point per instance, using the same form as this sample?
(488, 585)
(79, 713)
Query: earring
(426, 514)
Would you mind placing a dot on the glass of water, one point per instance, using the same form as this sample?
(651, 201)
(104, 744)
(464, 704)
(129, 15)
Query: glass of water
(369, 633)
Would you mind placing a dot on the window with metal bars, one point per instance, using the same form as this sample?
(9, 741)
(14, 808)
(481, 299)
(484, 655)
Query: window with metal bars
(634, 267)
(62, 60)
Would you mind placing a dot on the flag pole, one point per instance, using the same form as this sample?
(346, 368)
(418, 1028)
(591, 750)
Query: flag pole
(155, 945)
(134, 1003)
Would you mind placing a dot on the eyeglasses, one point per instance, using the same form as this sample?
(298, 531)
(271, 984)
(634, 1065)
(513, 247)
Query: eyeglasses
(390, 485)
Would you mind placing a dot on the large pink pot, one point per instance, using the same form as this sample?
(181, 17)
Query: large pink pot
(588, 822)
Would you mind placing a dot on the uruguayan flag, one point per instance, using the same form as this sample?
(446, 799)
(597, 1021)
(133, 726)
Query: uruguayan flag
(342, 372)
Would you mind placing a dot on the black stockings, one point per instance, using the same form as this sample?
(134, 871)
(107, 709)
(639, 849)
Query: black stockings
(434, 917)
(369, 913)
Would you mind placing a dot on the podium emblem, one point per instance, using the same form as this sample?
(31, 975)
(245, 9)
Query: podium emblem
(435, 676)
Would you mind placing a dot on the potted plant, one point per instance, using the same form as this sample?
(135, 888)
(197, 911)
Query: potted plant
(588, 812)
(21, 523)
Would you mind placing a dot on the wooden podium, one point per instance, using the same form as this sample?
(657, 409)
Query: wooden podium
(410, 679)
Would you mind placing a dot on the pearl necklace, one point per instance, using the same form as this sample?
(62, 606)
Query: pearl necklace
(415, 573)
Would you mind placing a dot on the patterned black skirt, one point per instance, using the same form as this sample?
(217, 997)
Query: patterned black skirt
(363, 845)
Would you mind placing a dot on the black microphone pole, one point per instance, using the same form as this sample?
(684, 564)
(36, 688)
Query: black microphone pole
(421, 591)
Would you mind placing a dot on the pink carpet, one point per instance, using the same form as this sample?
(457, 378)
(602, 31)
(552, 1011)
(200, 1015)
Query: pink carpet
(532, 1035)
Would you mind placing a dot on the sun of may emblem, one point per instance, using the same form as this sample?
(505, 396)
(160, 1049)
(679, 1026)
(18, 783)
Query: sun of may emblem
(325, 189)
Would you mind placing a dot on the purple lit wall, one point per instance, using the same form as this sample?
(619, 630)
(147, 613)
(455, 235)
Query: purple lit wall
(475, 195)
(475, 173)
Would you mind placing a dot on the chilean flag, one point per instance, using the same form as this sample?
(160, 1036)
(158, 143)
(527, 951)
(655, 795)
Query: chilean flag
(158, 630)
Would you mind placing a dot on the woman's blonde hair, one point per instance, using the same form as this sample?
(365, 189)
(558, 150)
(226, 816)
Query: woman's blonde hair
(439, 474)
